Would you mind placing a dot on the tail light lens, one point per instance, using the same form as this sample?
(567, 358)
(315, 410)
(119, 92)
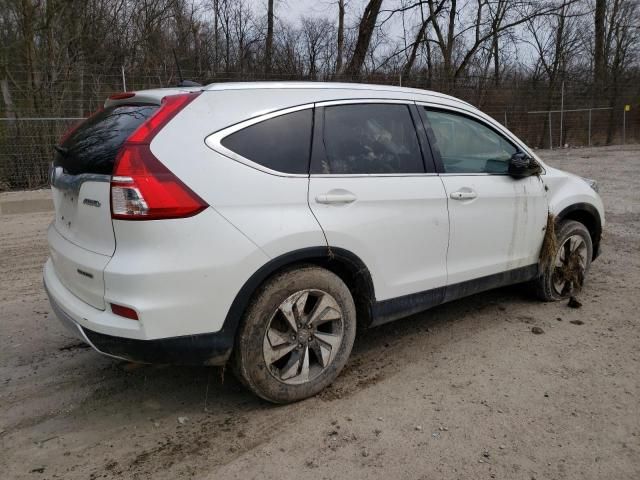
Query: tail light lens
(125, 312)
(142, 188)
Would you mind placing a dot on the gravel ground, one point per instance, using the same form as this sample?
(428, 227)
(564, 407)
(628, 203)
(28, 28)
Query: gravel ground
(462, 391)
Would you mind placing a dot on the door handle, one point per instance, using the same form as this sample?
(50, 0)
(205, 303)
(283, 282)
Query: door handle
(336, 198)
(463, 195)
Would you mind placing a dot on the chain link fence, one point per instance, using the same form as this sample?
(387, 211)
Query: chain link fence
(32, 123)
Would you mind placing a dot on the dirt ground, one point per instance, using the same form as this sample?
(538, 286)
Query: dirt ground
(464, 391)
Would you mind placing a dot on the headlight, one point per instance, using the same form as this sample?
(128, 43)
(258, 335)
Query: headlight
(592, 183)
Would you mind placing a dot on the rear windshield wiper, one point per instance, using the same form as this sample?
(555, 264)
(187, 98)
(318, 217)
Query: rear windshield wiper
(61, 150)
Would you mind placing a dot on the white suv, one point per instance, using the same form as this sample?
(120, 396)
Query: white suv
(261, 222)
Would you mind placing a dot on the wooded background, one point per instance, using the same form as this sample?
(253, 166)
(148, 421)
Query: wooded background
(59, 59)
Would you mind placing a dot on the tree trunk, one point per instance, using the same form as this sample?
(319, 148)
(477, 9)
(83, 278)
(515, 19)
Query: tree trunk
(340, 36)
(598, 54)
(216, 35)
(8, 101)
(414, 50)
(496, 61)
(365, 32)
(269, 45)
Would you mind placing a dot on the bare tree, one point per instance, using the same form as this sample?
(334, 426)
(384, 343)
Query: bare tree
(556, 41)
(421, 36)
(316, 33)
(482, 22)
(269, 42)
(340, 50)
(365, 32)
(598, 50)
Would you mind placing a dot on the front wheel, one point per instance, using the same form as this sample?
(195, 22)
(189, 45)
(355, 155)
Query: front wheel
(296, 335)
(564, 275)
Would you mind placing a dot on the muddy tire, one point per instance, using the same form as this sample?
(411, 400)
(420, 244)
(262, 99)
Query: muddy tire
(565, 274)
(296, 335)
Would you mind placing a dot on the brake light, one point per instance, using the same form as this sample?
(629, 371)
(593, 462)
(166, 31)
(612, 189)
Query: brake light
(122, 96)
(142, 188)
(125, 312)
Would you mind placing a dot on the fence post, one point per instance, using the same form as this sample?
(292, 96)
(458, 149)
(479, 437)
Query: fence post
(124, 80)
(505, 120)
(550, 135)
(561, 112)
(624, 125)
(589, 127)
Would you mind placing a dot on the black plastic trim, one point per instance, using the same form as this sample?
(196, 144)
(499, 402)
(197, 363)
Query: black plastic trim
(502, 279)
(425, 147)
(596, 235)
(241, 302)
(203, 349)
(394, 308)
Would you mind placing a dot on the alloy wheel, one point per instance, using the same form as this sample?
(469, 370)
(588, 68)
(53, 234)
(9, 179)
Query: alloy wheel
(570, 265)
(303, 336)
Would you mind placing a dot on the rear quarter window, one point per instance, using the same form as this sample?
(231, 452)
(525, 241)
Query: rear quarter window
(281, 143)
(94, 145)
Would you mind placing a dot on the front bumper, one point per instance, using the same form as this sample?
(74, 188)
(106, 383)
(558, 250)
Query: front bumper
(202, 349)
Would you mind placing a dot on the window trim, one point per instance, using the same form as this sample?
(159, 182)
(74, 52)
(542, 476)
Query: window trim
(428, 164)
(437, 158)
(214, 141)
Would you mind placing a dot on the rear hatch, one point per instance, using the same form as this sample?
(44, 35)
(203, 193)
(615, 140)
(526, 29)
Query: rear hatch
(81, 238)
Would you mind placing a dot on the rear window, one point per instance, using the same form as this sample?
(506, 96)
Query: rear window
(94, 145)
(281, 143)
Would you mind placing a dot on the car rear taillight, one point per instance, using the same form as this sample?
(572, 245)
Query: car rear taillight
(142, 188)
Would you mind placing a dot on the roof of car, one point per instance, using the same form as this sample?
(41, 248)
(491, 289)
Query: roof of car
(360, 87)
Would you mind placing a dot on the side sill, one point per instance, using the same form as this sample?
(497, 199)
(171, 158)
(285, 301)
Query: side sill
(389, 310)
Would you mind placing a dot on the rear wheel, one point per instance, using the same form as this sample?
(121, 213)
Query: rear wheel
(296, 336)
(564, 276)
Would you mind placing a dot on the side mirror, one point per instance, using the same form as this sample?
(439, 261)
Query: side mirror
(521, 165)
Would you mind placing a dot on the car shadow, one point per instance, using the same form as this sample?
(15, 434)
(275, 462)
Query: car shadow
(169, 387)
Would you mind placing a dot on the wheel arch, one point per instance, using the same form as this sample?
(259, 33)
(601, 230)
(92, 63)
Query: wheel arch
(348, 266)
(587, 215)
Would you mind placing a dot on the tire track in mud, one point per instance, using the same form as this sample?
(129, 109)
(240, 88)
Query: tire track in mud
(378, 355)
(222, 438)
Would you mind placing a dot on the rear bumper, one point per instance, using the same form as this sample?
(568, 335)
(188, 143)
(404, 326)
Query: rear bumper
(202, 349)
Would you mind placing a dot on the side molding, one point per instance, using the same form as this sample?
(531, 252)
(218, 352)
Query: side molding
(394, 308)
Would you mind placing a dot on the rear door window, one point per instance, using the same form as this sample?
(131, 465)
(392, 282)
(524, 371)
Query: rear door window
(281, 143)
(369, 139)
(94, 145)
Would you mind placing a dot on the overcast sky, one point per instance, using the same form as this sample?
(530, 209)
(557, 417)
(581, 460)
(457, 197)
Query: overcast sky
(293, 10)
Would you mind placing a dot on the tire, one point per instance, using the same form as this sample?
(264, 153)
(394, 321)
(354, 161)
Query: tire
(316, 345)
(563, 278)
